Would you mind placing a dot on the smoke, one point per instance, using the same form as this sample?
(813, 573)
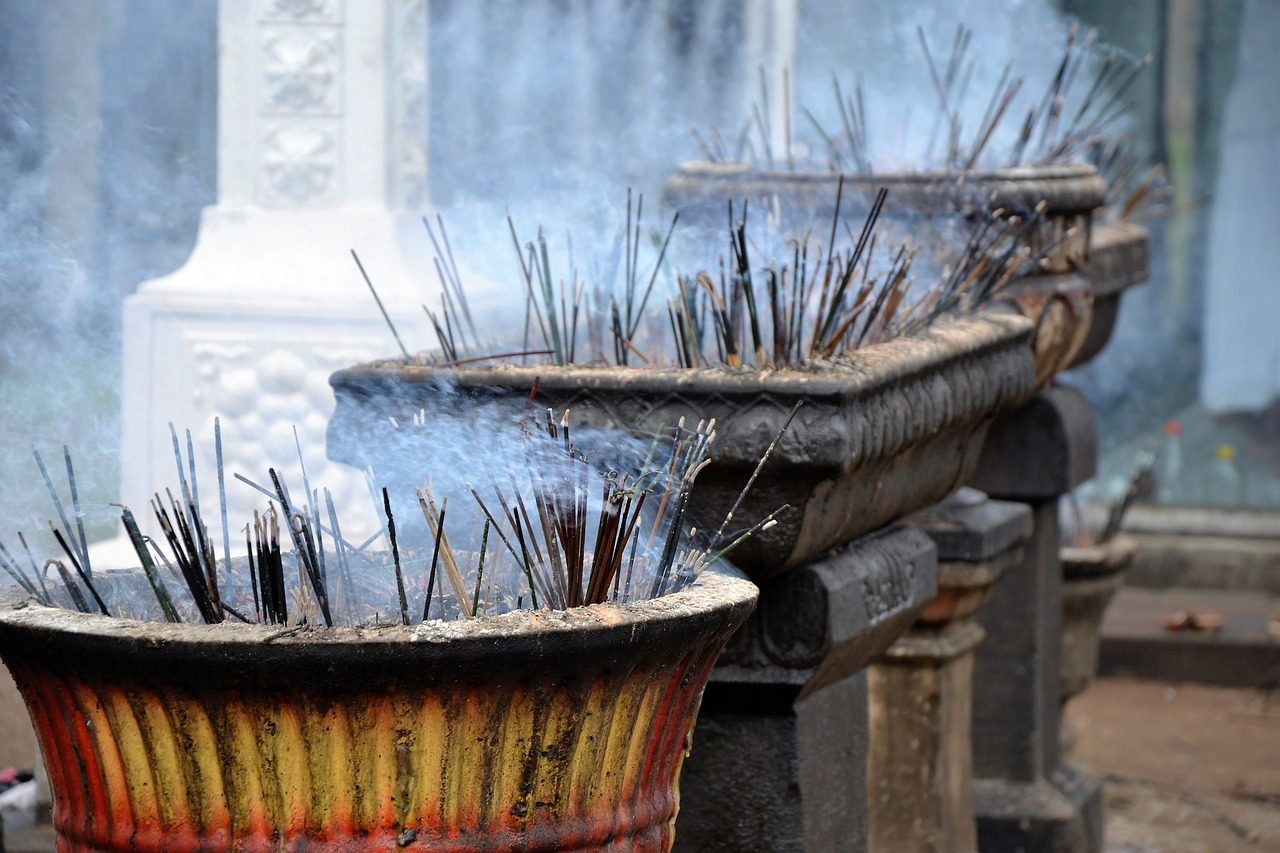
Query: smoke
(547, 110)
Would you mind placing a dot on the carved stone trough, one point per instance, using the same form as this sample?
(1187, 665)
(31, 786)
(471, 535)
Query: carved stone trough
(1055, 297)
(892, 429)
(1072, 192)
(528, 731)
(1119, 258)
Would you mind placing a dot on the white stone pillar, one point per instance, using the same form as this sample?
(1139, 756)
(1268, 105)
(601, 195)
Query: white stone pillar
(321, 148)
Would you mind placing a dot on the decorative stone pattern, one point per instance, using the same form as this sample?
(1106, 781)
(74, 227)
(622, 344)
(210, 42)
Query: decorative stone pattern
(262, 391)
(298, 11)
(300, 165)
(300, 71)
(300, 107)
(407, 89)
(896, 428)
(834, 615)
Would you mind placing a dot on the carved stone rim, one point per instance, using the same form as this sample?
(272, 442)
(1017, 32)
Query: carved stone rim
(1118, 258)
(837, 381)
(1067, 186)
(1108, 558)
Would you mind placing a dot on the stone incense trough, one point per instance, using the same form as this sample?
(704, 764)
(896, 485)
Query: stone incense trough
(1054, 296)
(528, 731)
(1071, 192)
(889, 430)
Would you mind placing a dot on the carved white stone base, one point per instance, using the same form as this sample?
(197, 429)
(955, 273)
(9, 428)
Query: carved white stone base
(248, 331)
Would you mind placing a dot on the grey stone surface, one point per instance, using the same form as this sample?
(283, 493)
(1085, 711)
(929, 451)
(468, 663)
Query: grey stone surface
(1016, 702)
(1041, 451)
(921, 764)
(892, 429)
(968, 527)
(827, 620)
(1062, 815)
(1025, 798)
(779, 760)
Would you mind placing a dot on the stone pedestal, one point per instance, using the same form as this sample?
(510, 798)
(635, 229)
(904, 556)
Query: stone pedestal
(921, 763)
(1024, 797)
(780, 751)
(1091, 577)
(322, 126)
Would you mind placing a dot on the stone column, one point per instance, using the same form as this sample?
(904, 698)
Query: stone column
(780, 750)
(321, 149)
(921, 763)
(1024, 796)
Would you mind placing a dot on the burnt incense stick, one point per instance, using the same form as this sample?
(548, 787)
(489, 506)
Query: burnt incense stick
(75, 509)
(57, 501)
(84, 578)
(484, 543)
(395, 556)
(381, 307)
(435, 559)
(77, 597)
(43, 593)
(15, 571)
(148, 565)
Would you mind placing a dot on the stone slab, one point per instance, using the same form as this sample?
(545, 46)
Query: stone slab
(1041, 451)
(779, 758)
(829, 619)
(968, 527)
(1063, 815)
(1243, 653)
(767, 773)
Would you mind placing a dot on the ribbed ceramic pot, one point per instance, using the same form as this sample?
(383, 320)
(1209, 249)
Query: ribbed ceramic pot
(1091, 577)
(528, 731)
(893, 429)
(1072, 193)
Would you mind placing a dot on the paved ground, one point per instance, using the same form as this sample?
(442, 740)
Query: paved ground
(1189, 768)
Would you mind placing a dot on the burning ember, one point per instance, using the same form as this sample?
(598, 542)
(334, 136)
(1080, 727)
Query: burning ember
(557, 530)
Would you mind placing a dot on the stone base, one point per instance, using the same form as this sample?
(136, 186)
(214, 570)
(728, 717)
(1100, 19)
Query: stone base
(787, 779)
(1062, 816)
(920, 764)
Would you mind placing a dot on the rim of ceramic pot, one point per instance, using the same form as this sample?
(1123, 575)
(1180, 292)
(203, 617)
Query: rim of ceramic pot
(1095, 560)
(836, 381)
(463, 650)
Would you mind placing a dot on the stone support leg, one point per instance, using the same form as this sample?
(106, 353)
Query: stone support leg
(779, 758)
(1024, 797)
(921, 762)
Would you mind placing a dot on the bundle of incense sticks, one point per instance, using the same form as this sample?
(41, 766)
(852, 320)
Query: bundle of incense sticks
(1060, 125)
(817, 304)
(559, 531)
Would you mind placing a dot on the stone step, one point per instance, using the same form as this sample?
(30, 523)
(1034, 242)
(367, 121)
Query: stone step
(1244, 652)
